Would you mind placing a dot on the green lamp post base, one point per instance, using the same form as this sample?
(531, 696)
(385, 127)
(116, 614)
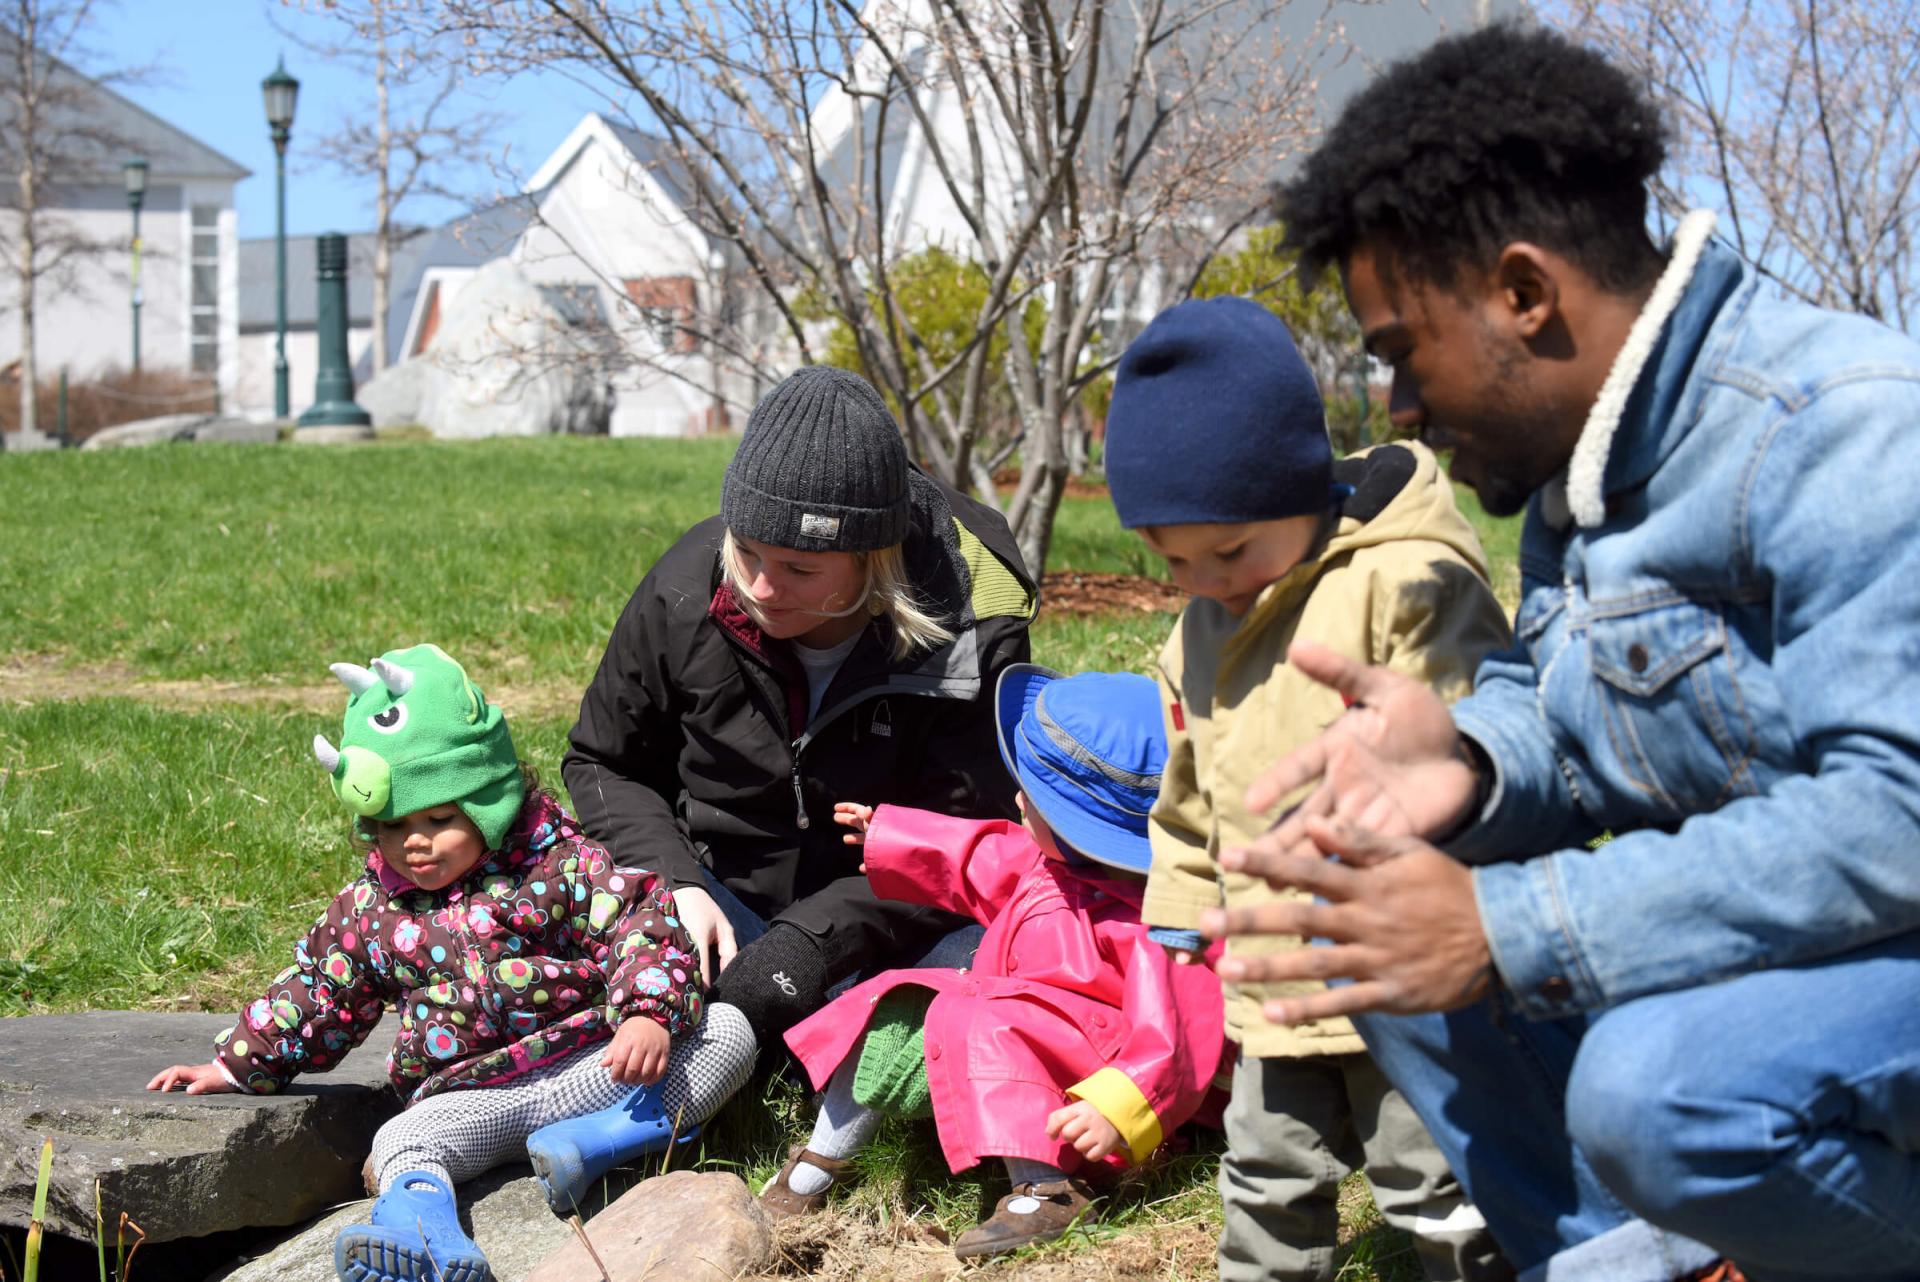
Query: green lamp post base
(333, 415)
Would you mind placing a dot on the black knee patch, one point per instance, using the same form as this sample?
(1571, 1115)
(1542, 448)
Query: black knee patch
(776, 981)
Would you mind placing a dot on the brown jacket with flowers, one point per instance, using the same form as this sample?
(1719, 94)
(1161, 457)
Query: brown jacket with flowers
(546, 946)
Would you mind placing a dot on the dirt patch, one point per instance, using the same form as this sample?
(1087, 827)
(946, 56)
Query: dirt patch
(1074, 592)
(30, 679)
(842, 1247)
(1007, 480)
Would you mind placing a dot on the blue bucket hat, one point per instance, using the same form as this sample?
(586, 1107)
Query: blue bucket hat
(1088, 751)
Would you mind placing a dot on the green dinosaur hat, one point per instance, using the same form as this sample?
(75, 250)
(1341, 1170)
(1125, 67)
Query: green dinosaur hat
(419, 733)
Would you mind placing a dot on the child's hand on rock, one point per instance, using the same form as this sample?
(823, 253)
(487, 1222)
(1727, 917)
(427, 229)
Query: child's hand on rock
(1086, 1128)
(638, 1053)
(199, 1079)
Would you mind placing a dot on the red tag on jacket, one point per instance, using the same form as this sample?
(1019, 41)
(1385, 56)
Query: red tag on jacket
(1179, 718)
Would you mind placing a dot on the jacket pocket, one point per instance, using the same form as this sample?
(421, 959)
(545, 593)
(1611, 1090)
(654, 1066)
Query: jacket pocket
(1671, 706)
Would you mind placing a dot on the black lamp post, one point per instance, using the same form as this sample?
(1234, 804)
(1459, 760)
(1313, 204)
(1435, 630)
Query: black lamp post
(135, 172)
(280, 91)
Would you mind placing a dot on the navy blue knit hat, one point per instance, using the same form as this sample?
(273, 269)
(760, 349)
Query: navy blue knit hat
(1216, 418)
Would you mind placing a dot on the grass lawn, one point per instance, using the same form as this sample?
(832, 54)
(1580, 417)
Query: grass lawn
(165, 834)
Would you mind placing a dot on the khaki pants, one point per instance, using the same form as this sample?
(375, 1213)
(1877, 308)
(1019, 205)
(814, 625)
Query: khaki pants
(1295, 1129)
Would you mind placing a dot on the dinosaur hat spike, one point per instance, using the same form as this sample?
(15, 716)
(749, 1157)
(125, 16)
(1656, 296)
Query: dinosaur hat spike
(354, 677)
(396, 678)
(325, 753)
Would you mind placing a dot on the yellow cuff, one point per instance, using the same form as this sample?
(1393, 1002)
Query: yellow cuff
(1120, 1102)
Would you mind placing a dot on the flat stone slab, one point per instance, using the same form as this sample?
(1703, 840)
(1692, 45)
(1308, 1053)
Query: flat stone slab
(181, 1166)
(150, 431)
(236, 431)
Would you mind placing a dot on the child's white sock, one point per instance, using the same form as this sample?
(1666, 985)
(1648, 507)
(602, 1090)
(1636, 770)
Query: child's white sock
(842, 1129)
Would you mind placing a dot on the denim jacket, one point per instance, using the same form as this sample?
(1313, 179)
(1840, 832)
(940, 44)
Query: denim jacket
(1724, 673)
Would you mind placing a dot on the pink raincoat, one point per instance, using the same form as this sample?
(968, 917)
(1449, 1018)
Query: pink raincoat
(1067, 998)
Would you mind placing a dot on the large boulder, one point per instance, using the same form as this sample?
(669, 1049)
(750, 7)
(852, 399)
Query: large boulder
(685, 1226)
(505, 362)
(393, 395)
(503, 1210)
(182, 1166)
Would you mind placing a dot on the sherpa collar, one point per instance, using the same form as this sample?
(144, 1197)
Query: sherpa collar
(1577, 493)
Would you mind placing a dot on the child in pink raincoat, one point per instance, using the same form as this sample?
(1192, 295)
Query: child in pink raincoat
(1075, 1038)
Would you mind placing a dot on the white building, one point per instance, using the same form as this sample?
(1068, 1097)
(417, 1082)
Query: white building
(599, 228)
(190, 262)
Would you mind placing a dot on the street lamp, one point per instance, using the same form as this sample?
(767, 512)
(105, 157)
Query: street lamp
(280, 91)
(135, 172)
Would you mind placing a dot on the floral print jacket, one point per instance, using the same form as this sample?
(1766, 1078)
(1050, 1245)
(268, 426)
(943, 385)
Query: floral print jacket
(545, 947)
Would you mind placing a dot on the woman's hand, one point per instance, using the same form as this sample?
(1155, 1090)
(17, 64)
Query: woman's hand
(638, 1054)
(1086, 1128)
(711, 931)
(199, 1079)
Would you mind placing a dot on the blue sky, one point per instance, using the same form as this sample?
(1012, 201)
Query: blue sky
(209, 57)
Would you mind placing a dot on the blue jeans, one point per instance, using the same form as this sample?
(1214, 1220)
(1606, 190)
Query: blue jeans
(1774, 1117)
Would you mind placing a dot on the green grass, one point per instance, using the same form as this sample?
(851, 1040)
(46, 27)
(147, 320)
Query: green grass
(160, 850)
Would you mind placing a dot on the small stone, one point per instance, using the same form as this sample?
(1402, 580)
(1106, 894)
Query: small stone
(644, 1237)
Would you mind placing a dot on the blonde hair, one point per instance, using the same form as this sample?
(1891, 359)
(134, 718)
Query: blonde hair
(889, 592)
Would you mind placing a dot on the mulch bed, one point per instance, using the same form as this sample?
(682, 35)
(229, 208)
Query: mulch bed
(1074, 592)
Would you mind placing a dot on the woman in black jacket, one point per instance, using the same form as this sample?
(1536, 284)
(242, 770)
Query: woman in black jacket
(834, 635)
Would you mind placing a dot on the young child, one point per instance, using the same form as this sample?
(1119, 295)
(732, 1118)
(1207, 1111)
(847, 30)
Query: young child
(537, 982)
(1073, 1039)
(1217, 453)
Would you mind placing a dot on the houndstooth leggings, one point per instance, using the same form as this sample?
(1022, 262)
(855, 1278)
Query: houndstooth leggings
(458, 1134)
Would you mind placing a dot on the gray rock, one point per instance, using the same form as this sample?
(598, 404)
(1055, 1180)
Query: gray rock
(236, 431)
(332, 434)
(393, 395)
(29, 441)
(506, 363)
(685, 1226)
(182, 1166)
(149, 431)
(504, 1212)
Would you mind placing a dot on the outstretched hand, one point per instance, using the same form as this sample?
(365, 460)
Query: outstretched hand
(1086, 1128)
(198, 1079)
(637, 1056)
(1400, 917)
(1393, 764)
(857, 819)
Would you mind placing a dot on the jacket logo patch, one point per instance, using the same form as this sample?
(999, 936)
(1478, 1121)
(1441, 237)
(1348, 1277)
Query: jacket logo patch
(815, 526)
(786, 985)
(1179, 717)
(882, 723)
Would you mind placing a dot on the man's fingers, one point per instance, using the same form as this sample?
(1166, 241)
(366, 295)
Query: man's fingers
(1289, 869)
(723, 940)
(1301, 766)
(1354, 999)
(1340, 961)
(1357, 847)
(1280, 917)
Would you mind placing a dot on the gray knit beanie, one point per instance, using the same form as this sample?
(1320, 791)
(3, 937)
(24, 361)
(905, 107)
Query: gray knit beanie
(821, 467)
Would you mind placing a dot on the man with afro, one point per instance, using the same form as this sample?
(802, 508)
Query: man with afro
(1636, 925)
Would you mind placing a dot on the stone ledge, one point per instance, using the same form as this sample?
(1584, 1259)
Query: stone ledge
(182, 1166)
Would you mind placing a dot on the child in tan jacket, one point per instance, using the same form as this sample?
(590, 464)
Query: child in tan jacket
(1217, 453)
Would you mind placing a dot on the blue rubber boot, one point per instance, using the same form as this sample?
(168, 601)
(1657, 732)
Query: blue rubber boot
(569, 1156)
(415, 1237)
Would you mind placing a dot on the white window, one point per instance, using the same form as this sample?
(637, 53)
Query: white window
(205, 302)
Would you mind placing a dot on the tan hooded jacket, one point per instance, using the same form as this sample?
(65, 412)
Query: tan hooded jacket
(1400, 582)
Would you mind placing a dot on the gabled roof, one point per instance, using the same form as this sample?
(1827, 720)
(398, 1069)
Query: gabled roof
(654, 155)
(99, 129)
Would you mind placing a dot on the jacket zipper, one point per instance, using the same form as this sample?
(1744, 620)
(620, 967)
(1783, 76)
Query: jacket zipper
(833, 714)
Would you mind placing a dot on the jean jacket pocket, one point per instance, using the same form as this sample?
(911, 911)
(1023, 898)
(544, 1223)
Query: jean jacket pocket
(1671, 705)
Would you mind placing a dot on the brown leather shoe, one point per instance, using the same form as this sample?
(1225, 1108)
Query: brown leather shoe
(779, 1200)
(1718, 1271)
(1031, 1214)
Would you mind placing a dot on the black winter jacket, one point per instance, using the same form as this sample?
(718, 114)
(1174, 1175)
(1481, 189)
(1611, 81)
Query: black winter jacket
(692, 748)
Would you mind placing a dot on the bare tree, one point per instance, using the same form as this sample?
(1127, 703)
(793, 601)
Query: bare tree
(1055, 145)
(406, 139)
(51, 139)
(1797, 118)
